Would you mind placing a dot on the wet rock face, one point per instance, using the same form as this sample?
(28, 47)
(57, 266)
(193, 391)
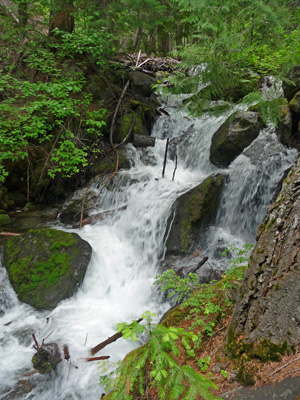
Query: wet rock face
(289, 89)
(193, 212)
(268, 304)
(237, 132)
(46, 358)
(46, 266)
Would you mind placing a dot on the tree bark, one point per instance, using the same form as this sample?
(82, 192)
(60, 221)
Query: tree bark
(62, 16)
(268, 302)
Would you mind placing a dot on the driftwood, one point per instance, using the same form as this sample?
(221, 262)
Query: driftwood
(97, 358)
(93, 218)
(111, 339)
(9, 234)
(143, 141)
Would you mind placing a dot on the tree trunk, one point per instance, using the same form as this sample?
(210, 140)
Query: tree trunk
(62, 16)
(268, 303)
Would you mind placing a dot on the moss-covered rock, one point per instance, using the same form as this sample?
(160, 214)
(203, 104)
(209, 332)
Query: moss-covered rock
(194, 211)
(46, 266)
(291, 88)
(142, 83)
(233, 136)
(46, 358)
(4, 218)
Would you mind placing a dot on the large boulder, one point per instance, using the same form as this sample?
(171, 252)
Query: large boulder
(291, 88)
(193, 212)
(46, 266)
(142, 83)
(267, 313)
(233, 136)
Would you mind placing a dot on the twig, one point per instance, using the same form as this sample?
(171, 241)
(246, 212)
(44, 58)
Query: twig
(285, 365)
(175, 167)
(111, 339)
(165, 158)
(97, 358)
(36, 342)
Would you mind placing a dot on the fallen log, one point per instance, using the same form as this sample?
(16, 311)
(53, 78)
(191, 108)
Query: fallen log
(111, 339)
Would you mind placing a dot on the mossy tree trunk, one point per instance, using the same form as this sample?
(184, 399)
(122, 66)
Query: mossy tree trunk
(268, 303)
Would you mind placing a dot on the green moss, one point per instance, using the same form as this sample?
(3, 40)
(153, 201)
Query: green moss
(246, 375)
(4, 219)
(200, 205)
(28, 272)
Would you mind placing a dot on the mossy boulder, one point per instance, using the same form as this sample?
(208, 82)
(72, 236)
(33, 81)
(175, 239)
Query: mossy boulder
(193, 212)
(4, 218)
(291, 88)
(233, 136)
(142, 83)
(46, 266)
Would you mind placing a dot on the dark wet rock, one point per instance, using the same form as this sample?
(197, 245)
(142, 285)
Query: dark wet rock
(46, 358)
(192, 214)
(288, 389)
(100, 89)
(46, 266)
(267, 308)
(20, 391)
(233, 136)
(142, 83)
(290, 89)
(295, 104)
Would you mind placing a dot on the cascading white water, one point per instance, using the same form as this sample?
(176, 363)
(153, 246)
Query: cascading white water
(126, 251)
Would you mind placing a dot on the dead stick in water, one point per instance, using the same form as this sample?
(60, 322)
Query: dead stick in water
(165, 158)
(35, 341)
(97, 358)
(111, 339)
(175, 167)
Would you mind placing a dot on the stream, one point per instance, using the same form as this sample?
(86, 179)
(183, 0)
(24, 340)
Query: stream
(127, 249)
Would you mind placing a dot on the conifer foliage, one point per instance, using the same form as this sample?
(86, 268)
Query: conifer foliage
(154, 365)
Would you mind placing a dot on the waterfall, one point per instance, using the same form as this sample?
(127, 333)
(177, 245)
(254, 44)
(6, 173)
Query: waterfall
(127, 248)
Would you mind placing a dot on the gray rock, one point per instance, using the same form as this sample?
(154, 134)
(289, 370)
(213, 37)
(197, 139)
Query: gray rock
(192, 214)
(237, 132)
(46, 266)
(142, 83)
